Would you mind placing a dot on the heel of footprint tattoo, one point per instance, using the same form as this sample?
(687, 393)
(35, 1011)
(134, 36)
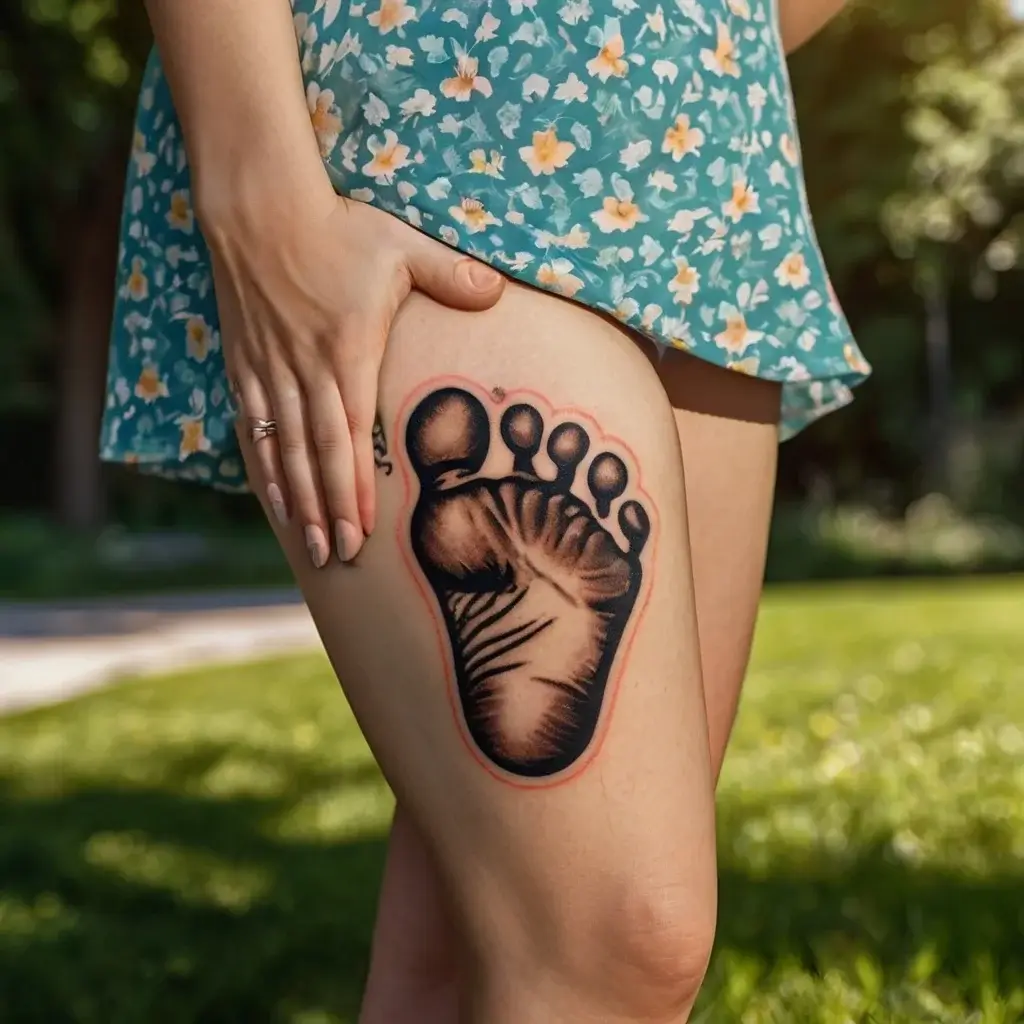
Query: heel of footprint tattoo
(534, 589)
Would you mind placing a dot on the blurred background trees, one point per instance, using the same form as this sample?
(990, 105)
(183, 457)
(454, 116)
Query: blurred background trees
(912, 121)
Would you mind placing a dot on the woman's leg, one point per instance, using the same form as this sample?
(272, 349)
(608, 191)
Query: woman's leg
(518, 642)
(728, 433)
(727, 426)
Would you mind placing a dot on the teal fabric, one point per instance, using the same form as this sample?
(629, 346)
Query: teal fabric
(639, 158)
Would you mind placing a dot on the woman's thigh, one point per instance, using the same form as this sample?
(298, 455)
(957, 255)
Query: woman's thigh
(518, 642)
(727, 427)
(728, 436)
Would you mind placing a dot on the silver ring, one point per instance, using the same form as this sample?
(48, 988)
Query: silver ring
(259, 429)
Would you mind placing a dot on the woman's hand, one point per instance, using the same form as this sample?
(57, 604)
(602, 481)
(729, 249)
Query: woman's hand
(307, 291)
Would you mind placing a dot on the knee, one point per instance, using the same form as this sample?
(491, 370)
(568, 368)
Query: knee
(637, 952)
(656, 945)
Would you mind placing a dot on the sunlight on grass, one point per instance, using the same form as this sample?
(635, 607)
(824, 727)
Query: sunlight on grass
(207, 847)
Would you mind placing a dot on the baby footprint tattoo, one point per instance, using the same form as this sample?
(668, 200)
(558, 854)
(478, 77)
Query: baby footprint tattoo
(534, 589)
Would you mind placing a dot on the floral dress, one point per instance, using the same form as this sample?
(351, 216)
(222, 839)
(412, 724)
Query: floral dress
(637, 157)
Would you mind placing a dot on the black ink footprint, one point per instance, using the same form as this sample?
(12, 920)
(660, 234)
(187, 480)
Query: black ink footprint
(535, 591)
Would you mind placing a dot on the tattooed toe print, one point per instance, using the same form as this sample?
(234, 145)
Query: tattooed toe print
(535, 589)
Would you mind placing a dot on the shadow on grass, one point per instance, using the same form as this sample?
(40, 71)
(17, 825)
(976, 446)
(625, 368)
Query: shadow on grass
(150, 905)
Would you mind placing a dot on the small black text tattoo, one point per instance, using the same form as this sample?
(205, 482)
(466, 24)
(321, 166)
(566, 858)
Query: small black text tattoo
(380, 448)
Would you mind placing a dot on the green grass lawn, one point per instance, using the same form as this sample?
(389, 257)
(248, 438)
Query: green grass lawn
(207, 847)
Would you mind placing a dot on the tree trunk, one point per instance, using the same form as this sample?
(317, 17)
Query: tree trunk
(940, 388)
(83, 332)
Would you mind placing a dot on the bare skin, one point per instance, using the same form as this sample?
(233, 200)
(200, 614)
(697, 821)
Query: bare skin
(730, 471)
(727, 433)
(580, 887)
(309, 352)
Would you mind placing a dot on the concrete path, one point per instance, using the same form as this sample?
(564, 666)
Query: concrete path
(51, 652)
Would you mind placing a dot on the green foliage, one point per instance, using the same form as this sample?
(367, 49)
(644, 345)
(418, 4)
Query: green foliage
(912, 124)
(207, 847)
(68, 71)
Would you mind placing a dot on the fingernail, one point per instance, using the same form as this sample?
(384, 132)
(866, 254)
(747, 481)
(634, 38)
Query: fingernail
(481, 276)
(349, 539)
(276, 499)
(316, 546)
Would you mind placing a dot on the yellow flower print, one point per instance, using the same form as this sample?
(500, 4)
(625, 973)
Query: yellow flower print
(681, 139)
(617, 215)
(150, 386)
(548, 153)
(198, 338)
(788, 148)
(143, 160)
(480, 164)
(744, 200)
(793, 271)
(737, 337)
(193, 438)
(609, 63)
(749, 366)
(392, 14)
(466, 81)
(740, 8)
(138, 283)
(626, 310)
(388, 157)
(557, 275)
(179, 216)
(325, 116)
(686, 282)
(854, 360)
(575, 238)
(472, 214)
(722, 60)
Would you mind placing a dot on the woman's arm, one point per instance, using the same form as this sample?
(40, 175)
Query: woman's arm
(801, 19)
(233, 69)
(307, 283)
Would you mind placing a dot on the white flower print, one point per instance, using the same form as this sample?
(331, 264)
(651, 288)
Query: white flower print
(466, 81)
(634, 154)
(487, 29)
(398, 57)
(535, 86)
(571, 89)
(639, 158)
(420, 104)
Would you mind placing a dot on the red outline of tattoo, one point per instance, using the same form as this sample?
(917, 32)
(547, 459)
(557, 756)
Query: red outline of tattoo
(553, 414)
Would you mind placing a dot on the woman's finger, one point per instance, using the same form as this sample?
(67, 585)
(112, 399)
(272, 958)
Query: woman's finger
(328, 428)
(450, 278)
(253, 405)
(359, 379)
(299, 460)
